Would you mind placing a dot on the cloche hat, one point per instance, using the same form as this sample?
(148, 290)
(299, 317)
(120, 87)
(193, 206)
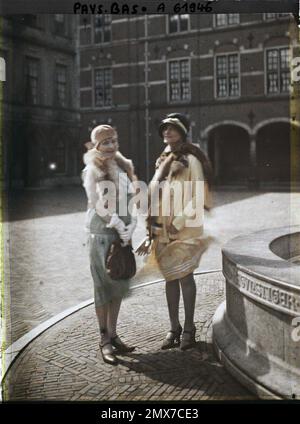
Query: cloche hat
(179, 121)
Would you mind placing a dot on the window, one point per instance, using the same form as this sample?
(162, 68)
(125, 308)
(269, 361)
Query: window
(269, 16)
(278, 70)
(30, 20)
(178, 23)
(3, 75)
(60, 157)
(3, 64)
(32, 66)
(61, 85)
(227, 75)
(102, 28)
(179, 80)
(103, 87)
(59, 24)
(225, 19)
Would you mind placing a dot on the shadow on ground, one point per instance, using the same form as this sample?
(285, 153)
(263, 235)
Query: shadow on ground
(30, 204)
(195, 371)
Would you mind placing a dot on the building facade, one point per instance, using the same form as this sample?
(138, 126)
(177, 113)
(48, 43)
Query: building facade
(40, 100)
(230, 73)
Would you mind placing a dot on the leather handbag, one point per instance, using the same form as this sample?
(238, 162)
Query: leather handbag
(120, 261)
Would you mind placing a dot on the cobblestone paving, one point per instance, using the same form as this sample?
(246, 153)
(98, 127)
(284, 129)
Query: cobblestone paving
(65, 364)
(47, 267)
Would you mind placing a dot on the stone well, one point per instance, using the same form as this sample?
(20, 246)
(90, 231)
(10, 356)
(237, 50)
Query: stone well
(256, 331)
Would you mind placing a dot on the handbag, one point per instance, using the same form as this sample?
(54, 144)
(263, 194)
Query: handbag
(120, 261)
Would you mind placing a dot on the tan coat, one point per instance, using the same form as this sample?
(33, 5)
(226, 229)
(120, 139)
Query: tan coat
(179, 254)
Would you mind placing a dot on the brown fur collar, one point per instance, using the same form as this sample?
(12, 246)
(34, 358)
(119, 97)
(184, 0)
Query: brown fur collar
(171, 163)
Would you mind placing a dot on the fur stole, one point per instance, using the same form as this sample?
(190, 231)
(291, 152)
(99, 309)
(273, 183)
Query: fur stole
(109, 168)
(172, 163)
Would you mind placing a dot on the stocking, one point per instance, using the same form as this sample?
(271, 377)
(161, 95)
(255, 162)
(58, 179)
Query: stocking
(173, 297)
(188, 287)
(113, 313)
(102, 314)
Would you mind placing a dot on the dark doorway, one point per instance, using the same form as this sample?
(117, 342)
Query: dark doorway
(228, 150)
(273, 153)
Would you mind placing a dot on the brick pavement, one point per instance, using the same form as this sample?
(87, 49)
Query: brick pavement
(64, 363)
(47, 270)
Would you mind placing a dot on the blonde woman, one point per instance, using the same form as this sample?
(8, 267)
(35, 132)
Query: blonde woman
(104, 162)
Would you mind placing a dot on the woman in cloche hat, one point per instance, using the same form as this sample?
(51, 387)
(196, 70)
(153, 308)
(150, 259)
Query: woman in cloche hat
(177, 248)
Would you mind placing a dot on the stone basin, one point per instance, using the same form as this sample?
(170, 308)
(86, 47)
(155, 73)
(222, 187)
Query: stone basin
(287, 247)
(256, 331)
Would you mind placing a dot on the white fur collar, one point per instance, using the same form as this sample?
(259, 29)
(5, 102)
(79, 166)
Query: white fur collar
(93, 158)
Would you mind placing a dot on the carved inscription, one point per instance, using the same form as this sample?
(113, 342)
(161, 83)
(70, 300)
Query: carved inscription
(264, 291)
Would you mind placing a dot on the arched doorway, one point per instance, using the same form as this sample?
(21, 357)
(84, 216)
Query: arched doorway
(228, 150)
(274, 153)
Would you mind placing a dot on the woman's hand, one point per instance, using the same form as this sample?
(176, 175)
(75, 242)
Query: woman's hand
(119, 225)
(144, 248)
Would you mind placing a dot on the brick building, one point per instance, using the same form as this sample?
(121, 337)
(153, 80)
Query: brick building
(40, 104)
(229, 72)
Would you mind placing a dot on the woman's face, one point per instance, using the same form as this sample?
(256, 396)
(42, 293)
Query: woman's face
(108, 147)
(171, 135)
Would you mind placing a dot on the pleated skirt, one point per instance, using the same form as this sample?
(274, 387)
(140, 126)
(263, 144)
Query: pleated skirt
(179, 258)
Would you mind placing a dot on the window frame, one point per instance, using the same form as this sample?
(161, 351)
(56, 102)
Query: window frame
(60, 29)
(179, 101)
(101, 68)
(28, 23)
(56, 96)
(65, 172)
(216, 79)
(4, 54)
(38, 61)
(277, 16)
(227, 24)
(277, 48)
(177, 32)
(102, 30)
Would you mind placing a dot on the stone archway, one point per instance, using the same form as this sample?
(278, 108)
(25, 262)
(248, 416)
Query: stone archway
(229, 152)
(274, 152)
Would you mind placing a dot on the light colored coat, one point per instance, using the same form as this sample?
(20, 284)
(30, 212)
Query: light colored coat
(119, 170)
(177, 255)
(186, 211)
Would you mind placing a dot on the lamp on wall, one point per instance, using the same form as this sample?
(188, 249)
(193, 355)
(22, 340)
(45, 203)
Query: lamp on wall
(52, 166)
